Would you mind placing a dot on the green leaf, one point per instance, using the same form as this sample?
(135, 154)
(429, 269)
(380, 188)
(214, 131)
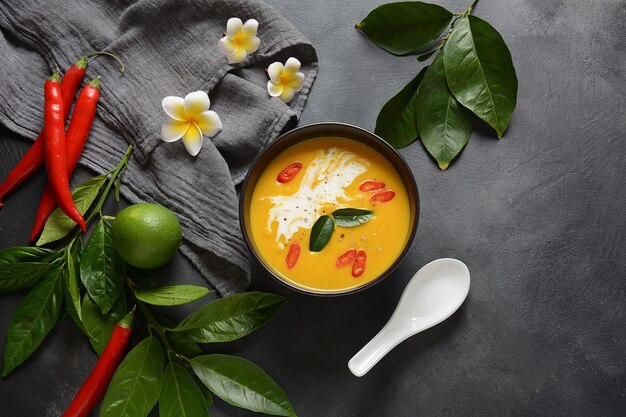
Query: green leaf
(135, 386)
(242, 384)
(19, 275)
(102, 271)
(183, 345)
(170, 295)
(206, 392)
(396, 121)
(58, 224)
(25, 254)
(180, 396)
(179, 343)
(444, 125)
(230, 318)
(427, 55)
(351, 217)
(480, 72)
(33, 319)
(72, 288)
(320, 233)
(98, 326)
(405, 27)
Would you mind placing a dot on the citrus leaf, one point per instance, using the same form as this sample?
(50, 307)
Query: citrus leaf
(25, 254)
(16, 276)
(33, 319)
(444, 125)
(480, 71)
(230, 318)
(170, 295)
(72, 288)
(396, 121)
(135, 386)
(320, 233)
(58, 224)
(183, 346)
(351, 217)
(98, 326)
(242, 383)
(180, 396)
(427, 55)
(404, 27)
(102, 271)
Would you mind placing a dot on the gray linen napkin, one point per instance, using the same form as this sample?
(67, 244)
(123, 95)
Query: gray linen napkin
(170, 48)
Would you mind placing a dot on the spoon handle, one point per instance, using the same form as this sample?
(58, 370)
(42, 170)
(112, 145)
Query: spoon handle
(374, 351)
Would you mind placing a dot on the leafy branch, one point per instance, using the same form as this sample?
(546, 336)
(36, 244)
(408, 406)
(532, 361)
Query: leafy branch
(92, 284)
(472, 76)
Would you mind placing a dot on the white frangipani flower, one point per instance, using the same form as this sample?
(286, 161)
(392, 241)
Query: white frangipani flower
(190, 118)
(240, 40)
(285, 80)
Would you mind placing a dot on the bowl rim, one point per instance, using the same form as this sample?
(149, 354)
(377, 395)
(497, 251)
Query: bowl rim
(275, 143)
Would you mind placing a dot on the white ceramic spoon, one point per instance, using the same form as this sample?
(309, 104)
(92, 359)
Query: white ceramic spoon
(435, 292)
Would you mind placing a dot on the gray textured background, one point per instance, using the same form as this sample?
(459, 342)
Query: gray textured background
(538, 217)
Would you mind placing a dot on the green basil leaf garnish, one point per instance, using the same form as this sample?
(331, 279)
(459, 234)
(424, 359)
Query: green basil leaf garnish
(102, 271)
(170, 295)
(445, 126)
(242, 383)
(320, 233)
(405, 27)
(230, 318)
(396, 121)
(480, 73)
(351, 217)
(180, 396)
(58, 224)
(135, 386)
(33, 319)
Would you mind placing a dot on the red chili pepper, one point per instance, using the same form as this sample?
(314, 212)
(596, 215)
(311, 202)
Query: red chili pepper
(368, 186)
(34, 157)
(358, 267)
(55, 153)
(289, 172)
(76, 136)
(346, 259)
(293, 254)
(383, 197)
(93, 388)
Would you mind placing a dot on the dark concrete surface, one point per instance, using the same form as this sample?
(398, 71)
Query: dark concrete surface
(539, 218)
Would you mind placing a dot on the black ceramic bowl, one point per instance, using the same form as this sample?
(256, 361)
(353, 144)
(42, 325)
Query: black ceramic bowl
(320, 130)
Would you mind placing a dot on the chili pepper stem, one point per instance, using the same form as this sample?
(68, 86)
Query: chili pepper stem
(55, 76)
(96, 82)
(110, 54)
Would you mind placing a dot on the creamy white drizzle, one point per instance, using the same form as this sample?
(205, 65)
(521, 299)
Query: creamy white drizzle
(323, 184)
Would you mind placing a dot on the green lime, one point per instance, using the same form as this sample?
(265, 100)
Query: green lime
(146, 235)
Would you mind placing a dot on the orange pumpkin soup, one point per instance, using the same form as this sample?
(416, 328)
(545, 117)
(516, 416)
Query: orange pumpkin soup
(329, 214)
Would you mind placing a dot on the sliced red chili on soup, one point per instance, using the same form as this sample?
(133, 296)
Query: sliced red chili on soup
(369, 186)
(289, 172)
(358, 267)
(346, 259)
(383, 197)
(293, 254)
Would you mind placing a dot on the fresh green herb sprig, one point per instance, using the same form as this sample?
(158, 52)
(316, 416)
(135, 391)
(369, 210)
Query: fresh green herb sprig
(324, 227)
(472, 76)
(91, 284)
